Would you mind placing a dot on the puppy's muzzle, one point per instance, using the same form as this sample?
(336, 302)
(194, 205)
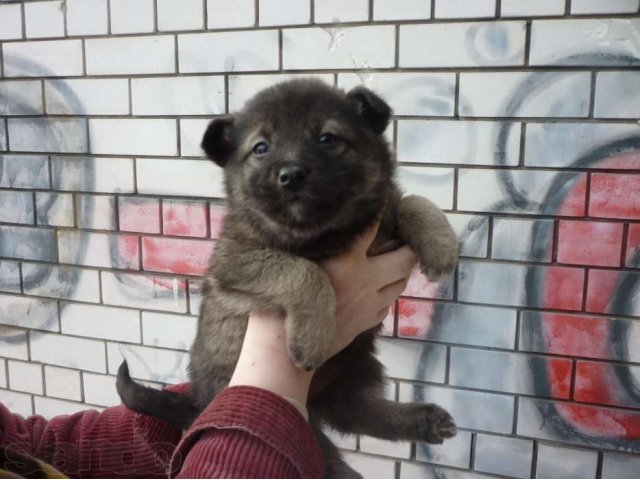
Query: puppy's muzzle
(292, 177)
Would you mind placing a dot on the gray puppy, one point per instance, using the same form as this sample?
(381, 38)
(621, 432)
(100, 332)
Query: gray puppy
(307, 170)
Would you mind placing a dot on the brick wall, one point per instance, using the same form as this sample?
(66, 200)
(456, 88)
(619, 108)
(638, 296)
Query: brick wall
(518, 118)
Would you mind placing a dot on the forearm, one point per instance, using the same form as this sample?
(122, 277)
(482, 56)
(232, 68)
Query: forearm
(262, 412)
(265, 363)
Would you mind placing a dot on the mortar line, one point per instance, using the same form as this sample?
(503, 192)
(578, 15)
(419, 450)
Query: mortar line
(625, 244)
(108, 18)
(555, 241)
(600, 464)
(280, 50)
(155, 16)
(63, 5)
(572, 384)
(527, 43)
(534, 460)
(472, 451)
(516, 345)
(592, 95)
(24, 20)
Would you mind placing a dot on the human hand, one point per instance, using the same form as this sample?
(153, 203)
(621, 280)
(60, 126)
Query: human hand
(365, 286)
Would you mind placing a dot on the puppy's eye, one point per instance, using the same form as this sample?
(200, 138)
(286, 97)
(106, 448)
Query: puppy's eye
(260, 148)
(327, 138)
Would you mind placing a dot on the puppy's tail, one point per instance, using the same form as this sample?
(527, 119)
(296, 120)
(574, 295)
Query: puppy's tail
(176, 409)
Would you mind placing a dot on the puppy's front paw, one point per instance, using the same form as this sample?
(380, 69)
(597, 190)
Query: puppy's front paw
(309, 336)
(439, 258)
(435, 424)
(305, 357)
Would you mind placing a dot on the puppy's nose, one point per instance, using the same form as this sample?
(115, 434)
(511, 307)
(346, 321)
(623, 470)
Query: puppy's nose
(292, 177)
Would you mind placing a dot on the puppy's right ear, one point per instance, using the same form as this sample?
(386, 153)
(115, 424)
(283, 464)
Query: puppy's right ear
(217, 141)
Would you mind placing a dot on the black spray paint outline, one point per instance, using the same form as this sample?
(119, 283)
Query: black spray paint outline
(45, 270)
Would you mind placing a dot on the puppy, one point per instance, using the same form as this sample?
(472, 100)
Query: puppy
(307, 170)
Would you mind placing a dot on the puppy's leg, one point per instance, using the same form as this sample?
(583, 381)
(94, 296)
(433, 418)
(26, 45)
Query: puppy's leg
(354, 403)
(425, 228)
(299, 286)
(335, 466)
(381, 418)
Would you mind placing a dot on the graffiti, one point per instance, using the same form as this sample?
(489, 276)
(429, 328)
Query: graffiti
(12, 171)
(606, 384)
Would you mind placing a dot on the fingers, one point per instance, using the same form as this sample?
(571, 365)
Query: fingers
(391, 267)
(390, 293)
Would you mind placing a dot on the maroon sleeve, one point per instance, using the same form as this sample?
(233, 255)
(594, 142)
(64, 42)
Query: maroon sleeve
(115, 443)
(247, 432)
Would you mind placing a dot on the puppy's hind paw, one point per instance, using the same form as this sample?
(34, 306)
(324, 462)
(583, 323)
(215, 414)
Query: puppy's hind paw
(436, 425)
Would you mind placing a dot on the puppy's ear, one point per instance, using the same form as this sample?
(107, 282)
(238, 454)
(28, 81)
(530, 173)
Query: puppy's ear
(371, 108)
(218, 142)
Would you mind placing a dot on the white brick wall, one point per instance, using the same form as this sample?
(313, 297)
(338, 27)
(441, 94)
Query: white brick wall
(10, 21)
(230, 13)
(133, 136)
(130, 55)
(465, 8)
(180, 15)
(509, 50)
(178, 96)
(56, 58)
(87, 17)
(113, 97)
(228, 51)
(44, 19)
(132, 16)
(519, 118)
(23, 97)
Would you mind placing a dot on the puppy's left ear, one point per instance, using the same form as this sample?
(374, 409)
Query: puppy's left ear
(371, 108)
(218, 141)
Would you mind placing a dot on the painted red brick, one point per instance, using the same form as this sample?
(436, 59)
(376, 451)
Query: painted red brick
(576, 336)
(143, 217)
(173, 255)
(420, 286)
(560, 370)
(574, 204)
(564, 288)
(217, 213)
(600, 290)
(414, 318)
(615, 196)
(185, 219)
(128, 249)
(598, 383)
(601, 422)
(590, 243)
(633, 243)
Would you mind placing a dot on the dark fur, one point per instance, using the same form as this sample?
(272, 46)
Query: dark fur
(264, 256)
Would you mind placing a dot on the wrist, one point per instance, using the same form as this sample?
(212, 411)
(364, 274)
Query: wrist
(265, 363)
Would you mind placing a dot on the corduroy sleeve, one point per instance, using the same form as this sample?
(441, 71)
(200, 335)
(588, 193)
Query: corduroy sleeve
(115, 443)
(247, 432)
